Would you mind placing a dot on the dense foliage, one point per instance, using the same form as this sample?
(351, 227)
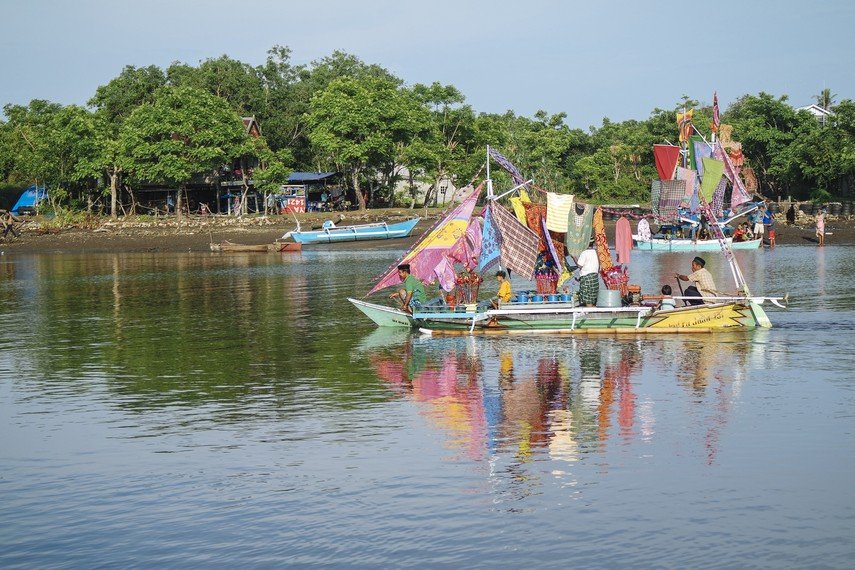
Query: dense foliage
(150, 125)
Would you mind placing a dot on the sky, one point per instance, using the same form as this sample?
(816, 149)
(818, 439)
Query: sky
(591, 59)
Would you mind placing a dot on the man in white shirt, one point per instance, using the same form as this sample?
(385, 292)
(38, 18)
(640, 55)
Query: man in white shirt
(589, 276)
(702, 286)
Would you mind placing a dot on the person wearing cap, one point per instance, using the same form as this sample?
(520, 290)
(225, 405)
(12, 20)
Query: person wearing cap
(702, 283)
(412, 295)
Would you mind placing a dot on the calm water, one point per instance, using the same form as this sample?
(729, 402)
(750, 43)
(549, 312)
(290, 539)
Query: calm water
(186, 410)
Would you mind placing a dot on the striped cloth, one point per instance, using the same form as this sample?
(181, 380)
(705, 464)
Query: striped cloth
(557, 211)
(518, 244)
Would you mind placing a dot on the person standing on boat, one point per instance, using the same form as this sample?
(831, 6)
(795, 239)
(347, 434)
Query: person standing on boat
(702, 286)
(412, 295)
(589, 276)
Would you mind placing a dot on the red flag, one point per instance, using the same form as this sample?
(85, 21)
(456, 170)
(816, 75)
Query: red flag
(666, 160)
(716, 120)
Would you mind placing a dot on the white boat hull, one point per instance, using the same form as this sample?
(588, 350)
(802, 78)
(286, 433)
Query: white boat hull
(384, 316)
(689, 245)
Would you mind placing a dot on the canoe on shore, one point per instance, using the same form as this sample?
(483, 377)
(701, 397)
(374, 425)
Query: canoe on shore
(228, 246)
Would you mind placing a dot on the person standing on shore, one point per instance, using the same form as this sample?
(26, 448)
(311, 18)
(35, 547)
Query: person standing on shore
(820, 226)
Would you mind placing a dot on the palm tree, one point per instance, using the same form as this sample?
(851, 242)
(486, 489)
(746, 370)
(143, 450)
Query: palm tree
(825, 99)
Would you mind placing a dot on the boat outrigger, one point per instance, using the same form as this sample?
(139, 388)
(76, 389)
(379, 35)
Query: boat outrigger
(435, 254)
(330, 233)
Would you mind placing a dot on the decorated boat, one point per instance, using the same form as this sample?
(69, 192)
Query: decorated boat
(330, 233)
(684, 244)
(460, 240)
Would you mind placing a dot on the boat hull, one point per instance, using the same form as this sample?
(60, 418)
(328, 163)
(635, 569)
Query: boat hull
(357, 233)
(545, 319)
(384, 316)
(689, 245)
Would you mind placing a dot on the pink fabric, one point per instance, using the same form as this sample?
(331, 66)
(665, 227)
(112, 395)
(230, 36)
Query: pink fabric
(623, 240)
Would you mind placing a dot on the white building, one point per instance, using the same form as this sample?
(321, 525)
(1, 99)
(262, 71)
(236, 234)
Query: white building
(821, 115)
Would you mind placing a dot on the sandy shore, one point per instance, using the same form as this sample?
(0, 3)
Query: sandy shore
(195, 234)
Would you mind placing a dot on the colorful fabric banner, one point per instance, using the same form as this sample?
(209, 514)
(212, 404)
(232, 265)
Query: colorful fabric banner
(623, 240)
(717, 203)
(690, 177)
(517, 204)
(684, 123)
(600, 241)
(427, 254)
(557, 210)
(698, 149)
(666, 157)
(713, 171)
(553, 248)
(578, 229)
(507, 165)
(489, 243)
(518, 244)
(716, 119)
(655, 192)
(739, 195)
(670, 197)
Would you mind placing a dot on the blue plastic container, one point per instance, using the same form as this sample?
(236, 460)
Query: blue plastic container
(522, 297)
(566, 297)
(537, 298)
(552, 298)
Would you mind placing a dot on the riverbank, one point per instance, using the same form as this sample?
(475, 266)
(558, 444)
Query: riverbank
(195, 234)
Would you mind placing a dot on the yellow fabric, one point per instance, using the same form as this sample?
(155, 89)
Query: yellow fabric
(517, 204)
(505, 291)
(558, 211)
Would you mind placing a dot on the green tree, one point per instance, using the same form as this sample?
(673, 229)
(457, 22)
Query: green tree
(184, 132)
(357, 125)
(825, 99)
(113, 103)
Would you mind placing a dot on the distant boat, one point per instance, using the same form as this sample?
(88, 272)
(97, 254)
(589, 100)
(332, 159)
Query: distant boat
(331, 233)
(683, 244)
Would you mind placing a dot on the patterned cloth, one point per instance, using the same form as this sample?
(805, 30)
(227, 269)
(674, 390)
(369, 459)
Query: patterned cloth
(557, 211)
(578, 230)
(718, 198)
(518, 244)
(703, 280)
(490, 243)
(555, 248)
(655, 192)
(739, 195)
(589, 288)
(644, 229)
(670, 197)
(507, 165)
(691, 178)
(601, 242)
(534, 216)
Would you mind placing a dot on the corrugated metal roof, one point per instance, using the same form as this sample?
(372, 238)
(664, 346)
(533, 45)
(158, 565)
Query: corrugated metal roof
(298, 177)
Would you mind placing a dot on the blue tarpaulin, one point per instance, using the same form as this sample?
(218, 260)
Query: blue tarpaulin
(304, 177)
(30, 198)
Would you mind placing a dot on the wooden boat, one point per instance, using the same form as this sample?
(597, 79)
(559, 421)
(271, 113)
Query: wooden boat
(228, 246)
(724, 313)
(682, 244)
(332, 233)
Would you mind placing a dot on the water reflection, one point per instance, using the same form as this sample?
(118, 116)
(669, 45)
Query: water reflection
(515, 405)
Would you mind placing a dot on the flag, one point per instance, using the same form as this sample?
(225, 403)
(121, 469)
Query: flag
(739, 195)
(716, 120)
(684, 122)
(666, 157)
(713, 171)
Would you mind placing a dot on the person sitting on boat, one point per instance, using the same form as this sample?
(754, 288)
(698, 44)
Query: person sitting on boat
(739, 234)
(667, 301)
(749, 235)
(703, 285)
(589, 276)
(504, 295)
(412, 295)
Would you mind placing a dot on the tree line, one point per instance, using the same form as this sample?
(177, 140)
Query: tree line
(167, 126)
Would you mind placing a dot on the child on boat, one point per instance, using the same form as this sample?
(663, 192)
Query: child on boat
(504, 295)
(668, 301)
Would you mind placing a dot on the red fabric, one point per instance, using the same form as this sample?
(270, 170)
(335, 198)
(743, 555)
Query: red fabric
(666, 160)
(623, 240)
